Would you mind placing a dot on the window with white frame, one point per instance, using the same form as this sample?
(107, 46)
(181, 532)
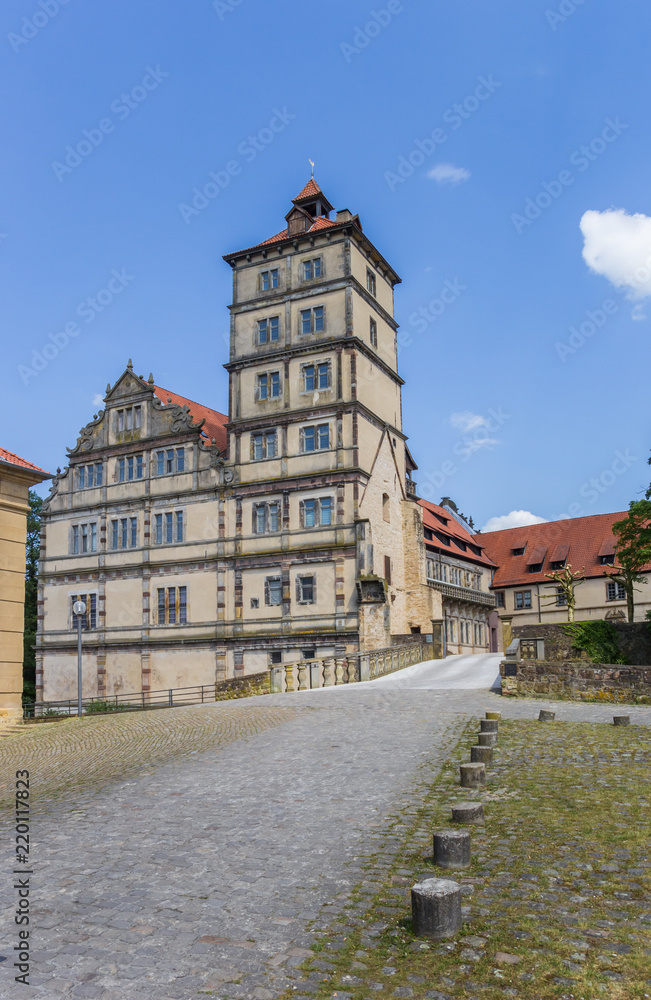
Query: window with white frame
(124, 533)
(316, 376)
(312, 269)
(263, 445)
(89, 618)
(615, 592)
(168, 527)
(89, 476)
(306, 589)
(312, 320)
(131, 467)
(315, 438)
(266, 518)
(371, 283)
(273, 591)
(128, 418)
(316, 512)
(373, 332)
(269, 330)
(268, 385)
(170, 460)
(83, 538)
(172, 605)
(269, 279)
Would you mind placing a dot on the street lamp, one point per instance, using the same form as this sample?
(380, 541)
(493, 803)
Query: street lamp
(79, 608)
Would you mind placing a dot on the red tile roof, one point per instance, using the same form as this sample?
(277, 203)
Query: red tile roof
(9, 458)
(311, 190)
(320, 223)
(215, 422)
(584, 538)
(433, 518)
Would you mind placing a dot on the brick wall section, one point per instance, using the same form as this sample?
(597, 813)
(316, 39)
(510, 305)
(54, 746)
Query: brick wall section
(577, 680)
(243, 687)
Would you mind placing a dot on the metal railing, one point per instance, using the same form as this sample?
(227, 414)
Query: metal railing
(133, 701)
(332, 671)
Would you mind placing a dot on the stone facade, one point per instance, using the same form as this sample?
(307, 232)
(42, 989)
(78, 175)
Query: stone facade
(16, 477)
(634, 642)
(295, 536)
(577, 680)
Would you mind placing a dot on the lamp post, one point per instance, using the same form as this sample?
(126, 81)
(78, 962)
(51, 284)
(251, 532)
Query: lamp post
(79, 608)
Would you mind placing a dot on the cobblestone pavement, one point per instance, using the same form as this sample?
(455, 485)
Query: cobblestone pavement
(184, 852)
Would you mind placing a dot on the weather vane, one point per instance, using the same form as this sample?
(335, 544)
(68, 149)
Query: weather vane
(311, 162)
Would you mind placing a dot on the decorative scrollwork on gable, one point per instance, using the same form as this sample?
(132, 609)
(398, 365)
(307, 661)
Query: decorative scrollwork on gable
(86, 439)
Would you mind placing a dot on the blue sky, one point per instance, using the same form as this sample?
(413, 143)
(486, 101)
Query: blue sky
(484, 108)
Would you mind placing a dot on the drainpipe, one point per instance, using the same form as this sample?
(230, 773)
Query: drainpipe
(539, 611)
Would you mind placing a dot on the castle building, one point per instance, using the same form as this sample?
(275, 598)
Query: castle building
(208, 546)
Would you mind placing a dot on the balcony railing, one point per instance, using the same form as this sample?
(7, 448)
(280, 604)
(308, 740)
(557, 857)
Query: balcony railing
(464, 593)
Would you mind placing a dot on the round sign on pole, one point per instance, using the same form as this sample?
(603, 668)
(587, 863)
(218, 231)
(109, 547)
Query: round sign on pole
(79, 608)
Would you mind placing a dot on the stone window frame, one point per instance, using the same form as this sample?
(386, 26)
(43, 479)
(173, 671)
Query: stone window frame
(128, 418)
(264, 507)
(181, 607)
(317, 375)
(137, 461)
(85, 472)
(266, 435)
(268, 375)
(617, 589)
(268, 338)
(373, 331)
(269, 271)
(90, 599)
(117, 533)
(163, 519)
(314, 320)
(317, 428)
(175, 457)
(77, 536)
(524, 595)
(319, 261)
(371, 282)
(277, 582)
(318, 511)
(305, 580)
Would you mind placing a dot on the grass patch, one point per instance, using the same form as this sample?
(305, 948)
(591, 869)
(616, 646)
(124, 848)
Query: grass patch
(559, 880)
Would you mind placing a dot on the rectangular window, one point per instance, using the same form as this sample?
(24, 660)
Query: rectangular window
(89, 619)
(121, 470)
(305, 589)
(500, 599)
(169, 528)
(275, 656)
(130, 467)
(119, 421)
(373, 333)
(518, 551)
(273, 590)
(535, 568)
(269, 385)
(309, 513)
(158, 529)
(172, 605)
(604, 560)
(75, 539)
(274, 517)
(522, 599)
(263, 445)
(387, 569)
(312, 320)
(180, 459)
(161, 607)
(615, 592)
(259, 519)
(81, 477)
(114, 534)
(160, 463)
(137, 416)
(169, 460)
(124, 526)
(263, 386)
(179, 525)
(268, 330)
(274, 385)
(269, 279)
(309, 377)
(561, 597)
(311, 269)
(325, 505)
(324, 375)
(316, 377)
(316, 438)
(84, 537)
(133, 539)
(370, 281)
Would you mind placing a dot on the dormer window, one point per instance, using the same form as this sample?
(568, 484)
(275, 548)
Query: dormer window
(518, 552)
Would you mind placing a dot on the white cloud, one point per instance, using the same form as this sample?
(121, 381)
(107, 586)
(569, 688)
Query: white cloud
(618, 246)
(98, 399)
(466, 421)
(447, 173)
(638, 312)
(516, 519)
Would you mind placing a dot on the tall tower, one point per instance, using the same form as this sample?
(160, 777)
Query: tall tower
(319, 464)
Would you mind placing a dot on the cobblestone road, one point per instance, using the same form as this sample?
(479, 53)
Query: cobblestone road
(184, 852)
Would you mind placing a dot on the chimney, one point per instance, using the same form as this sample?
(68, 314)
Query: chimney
(344, 215)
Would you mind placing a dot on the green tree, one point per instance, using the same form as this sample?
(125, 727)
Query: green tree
(31, 594)
(633, 535)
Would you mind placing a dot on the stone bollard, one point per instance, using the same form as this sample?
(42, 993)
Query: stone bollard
(494, 716)
(546, 716)
(481, 755)
(472, 775)
(489, 726)
(621, 720)
(451, 848)
(487, 739)
(468, 812)
(436, 908)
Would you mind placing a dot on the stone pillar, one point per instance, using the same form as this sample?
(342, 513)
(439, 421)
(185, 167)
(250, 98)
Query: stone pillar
(438, 639)
(436, 908)
(507, 630)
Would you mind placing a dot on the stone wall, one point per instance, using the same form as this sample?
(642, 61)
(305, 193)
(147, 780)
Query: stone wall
(634, 640)
(576, 679)
(242, 687)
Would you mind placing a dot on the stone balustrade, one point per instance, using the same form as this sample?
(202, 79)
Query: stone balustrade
(353, 668)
